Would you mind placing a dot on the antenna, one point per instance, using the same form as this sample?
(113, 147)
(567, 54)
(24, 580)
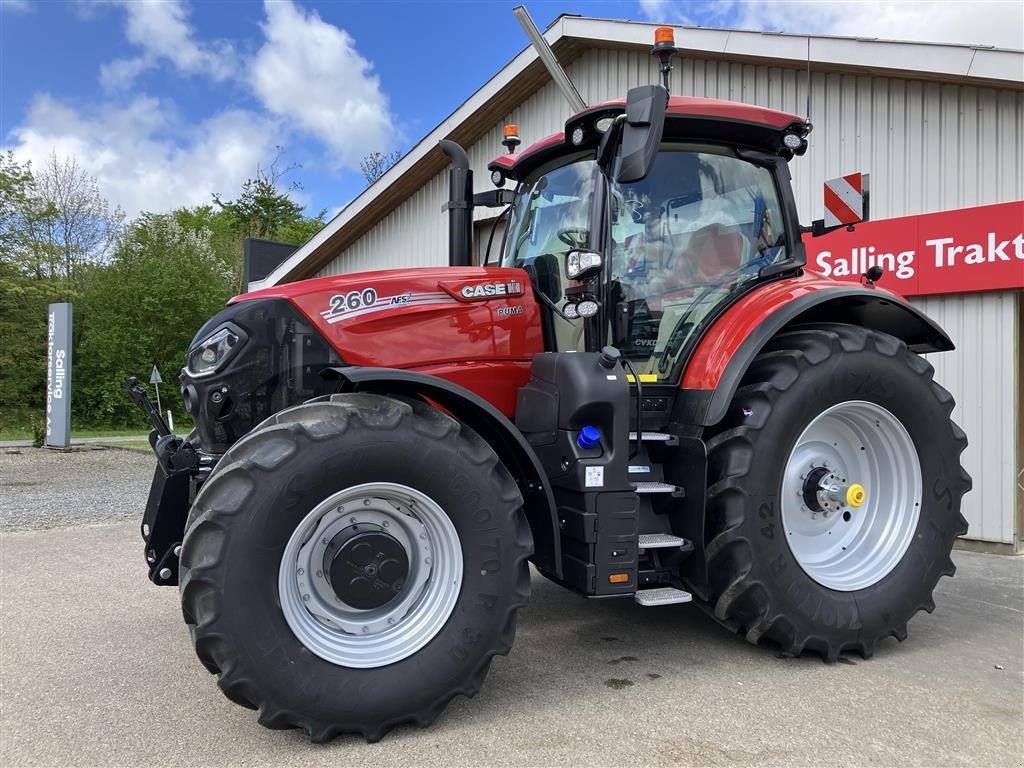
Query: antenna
(547, 57)
(808, 114)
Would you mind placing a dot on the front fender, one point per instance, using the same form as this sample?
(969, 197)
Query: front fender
(483, 418)
(722, 356)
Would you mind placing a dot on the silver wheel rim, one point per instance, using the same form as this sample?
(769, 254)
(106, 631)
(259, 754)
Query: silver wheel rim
(840, 546)
(374, 637)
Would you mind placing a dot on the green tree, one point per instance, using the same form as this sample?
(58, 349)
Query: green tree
(28, 282)
(164, 281)
(262, 210)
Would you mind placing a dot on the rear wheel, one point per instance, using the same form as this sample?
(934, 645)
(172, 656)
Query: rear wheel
(354, 563)
(834, 493)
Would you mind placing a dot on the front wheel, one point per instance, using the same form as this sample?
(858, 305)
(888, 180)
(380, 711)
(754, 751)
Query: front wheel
(354, 563)
(834, 493)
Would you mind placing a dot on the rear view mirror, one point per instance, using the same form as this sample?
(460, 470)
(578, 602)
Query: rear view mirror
(641, 133)
(543, 272)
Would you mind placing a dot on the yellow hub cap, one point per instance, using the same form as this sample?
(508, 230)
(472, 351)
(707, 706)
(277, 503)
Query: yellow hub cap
(856, 495)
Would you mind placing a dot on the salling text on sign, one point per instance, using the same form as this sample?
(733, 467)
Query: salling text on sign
(58, 376)
(970, 249)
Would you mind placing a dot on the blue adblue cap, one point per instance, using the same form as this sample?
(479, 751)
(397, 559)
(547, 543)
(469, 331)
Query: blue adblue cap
(588, 437)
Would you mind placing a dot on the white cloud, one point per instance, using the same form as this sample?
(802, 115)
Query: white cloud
(309, 72)
(162, 30)
(126, 148)
(307, 78)
(15, 6)
(984, 22)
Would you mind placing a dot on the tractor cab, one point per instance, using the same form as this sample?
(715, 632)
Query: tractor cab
(645, 262)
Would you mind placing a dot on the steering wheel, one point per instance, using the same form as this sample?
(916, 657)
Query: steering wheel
(574, 238)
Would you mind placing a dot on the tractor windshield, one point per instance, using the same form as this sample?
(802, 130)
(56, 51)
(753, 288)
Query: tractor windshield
(684, 240)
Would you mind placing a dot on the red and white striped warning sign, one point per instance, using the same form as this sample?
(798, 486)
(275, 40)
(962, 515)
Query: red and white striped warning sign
(844, 199)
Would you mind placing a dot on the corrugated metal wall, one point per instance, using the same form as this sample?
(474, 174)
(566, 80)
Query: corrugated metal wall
(928, 146)
(980, 374)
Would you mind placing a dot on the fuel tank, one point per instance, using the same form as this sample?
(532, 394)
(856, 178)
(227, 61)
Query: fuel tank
(478, 327)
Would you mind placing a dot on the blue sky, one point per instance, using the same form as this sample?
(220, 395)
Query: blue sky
(166, 102)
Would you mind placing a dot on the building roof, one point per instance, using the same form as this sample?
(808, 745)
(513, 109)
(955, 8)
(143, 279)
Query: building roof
(570, 36)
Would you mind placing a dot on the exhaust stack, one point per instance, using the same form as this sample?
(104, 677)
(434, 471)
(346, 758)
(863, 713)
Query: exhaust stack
(459, 206)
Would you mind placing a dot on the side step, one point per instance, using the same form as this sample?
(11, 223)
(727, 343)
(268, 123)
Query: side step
(658, 540)
(656, 437)
(652, 487)
(662, 596)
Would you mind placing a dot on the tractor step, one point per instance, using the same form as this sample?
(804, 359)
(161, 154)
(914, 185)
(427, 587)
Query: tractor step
(659, 540)
(662, 596)
(656, 437)
(652, 487)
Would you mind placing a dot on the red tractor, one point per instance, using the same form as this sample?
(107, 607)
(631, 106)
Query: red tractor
(650, 398)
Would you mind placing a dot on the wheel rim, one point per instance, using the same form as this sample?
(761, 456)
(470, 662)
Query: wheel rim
(840, 543)
(402, 519)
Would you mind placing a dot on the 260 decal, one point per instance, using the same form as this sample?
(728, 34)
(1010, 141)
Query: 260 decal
(363, 301)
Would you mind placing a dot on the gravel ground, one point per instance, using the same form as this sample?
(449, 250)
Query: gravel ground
(41, 488)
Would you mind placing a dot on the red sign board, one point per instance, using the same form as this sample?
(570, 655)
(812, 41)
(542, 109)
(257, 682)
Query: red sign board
(971, 249)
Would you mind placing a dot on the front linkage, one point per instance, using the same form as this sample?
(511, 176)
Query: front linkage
(180, 469)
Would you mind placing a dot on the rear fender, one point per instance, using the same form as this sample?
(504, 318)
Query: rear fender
(723, 355)
(483, 418)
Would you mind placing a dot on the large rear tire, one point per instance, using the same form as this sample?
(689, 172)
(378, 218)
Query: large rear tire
(834, 493)
(429, 548)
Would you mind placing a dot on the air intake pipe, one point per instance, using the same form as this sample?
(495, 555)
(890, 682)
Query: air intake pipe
(459, 206)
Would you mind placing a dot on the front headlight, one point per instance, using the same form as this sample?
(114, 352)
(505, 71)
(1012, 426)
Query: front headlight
(212, 352)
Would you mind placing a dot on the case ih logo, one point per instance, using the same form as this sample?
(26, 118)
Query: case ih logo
(490, 290)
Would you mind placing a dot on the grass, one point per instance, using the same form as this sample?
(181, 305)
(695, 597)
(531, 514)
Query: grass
(131, 445)
(25, 434)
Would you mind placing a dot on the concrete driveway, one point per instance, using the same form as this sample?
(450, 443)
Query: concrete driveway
(97, 669)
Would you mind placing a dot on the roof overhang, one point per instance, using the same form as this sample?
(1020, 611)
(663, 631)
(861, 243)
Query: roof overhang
(571, 36)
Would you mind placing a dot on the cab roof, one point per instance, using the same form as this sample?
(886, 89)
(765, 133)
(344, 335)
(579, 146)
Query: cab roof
(687, 117)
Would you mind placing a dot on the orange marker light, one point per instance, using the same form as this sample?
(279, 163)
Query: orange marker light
(618, 578)
(664, 35)
(511, 138)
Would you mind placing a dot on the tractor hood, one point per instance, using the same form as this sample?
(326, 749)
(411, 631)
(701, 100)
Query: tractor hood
(266, 350)
(403, 318)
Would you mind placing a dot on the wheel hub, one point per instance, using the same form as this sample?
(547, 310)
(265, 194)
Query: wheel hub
(370, 575)
(825, 491)
(851, 495)
(367, 569)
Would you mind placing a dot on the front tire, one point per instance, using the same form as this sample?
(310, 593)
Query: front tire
(272, 569)
(795, 557)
